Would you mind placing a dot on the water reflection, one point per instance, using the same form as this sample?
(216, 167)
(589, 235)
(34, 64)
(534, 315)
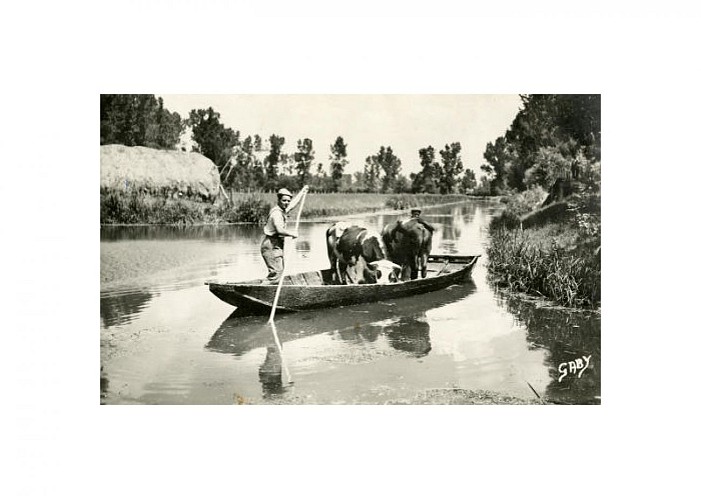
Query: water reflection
(104, 385)
(120, 309)
(566, 335)
(410, 334)
(270, 372)
(200, 232)
(403, 321)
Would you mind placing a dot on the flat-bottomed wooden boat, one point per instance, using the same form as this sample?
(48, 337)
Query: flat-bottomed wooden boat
(314, 289)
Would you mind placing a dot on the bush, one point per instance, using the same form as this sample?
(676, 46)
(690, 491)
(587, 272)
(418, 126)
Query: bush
(252, 208)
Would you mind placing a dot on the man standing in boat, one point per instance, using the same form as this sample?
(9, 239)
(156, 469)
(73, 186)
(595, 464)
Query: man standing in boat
(275, 231)
(416, 214)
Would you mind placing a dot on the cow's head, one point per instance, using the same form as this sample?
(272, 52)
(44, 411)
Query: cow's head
(382, 271)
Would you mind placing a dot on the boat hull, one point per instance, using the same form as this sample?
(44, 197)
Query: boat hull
(313, 290)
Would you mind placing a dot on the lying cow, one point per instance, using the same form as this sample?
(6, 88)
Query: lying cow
(409, 244)
(357, 255)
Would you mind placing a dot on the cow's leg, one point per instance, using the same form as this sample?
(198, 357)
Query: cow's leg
(415, 264)
(342, 270)
(335, 276)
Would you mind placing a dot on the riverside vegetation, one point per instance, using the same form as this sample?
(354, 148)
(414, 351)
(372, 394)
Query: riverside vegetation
(117, 207)
(559, 260)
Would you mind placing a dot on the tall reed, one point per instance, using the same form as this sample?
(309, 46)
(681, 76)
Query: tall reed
(553, 262)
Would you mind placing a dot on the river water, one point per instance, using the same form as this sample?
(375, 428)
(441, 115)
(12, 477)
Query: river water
(165, 339)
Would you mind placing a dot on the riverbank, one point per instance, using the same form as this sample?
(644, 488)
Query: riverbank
(429, 397)
(137, 208)
(557, 257)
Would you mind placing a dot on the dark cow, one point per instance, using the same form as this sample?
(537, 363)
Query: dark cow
(408, 244)
(357, 255)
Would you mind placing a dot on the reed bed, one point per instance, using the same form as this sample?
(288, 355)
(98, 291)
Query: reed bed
(557, 262)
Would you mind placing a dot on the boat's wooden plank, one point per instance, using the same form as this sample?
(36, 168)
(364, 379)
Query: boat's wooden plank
(298, 279)
(313, 278)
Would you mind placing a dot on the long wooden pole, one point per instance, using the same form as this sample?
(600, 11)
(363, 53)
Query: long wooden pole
(282, 274)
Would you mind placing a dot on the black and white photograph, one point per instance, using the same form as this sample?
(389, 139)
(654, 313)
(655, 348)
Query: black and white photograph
(350, 249)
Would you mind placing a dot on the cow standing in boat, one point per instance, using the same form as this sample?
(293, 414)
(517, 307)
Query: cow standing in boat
(356, 255)
(409, 244)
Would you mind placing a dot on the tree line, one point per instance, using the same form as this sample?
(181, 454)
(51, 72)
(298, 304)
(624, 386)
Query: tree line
(253, 164)
(552, 136)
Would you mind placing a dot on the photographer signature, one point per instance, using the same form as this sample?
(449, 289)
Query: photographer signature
(573, 367)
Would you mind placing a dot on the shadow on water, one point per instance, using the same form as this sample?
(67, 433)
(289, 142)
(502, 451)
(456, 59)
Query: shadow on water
(402, 321)
(567, 335)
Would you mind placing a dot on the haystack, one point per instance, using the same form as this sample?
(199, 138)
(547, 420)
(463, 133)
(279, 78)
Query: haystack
(125, 168)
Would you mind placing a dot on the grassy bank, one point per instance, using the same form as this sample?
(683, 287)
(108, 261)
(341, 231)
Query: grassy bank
(136, 208)
(139, 208)
(559, 260)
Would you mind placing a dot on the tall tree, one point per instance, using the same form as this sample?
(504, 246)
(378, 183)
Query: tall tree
(500, 157)
(338, 162)
(371, 174)
(450, 169)
(213, 139)
(138, 120)
(390, 165)
(426, 181)
(272, 161)
(303, 161)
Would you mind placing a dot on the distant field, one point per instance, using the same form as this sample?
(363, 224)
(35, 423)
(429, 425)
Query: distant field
(333, 204)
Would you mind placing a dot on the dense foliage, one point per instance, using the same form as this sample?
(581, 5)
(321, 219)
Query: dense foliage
(442, 177)
(553, 135)
(138, 120)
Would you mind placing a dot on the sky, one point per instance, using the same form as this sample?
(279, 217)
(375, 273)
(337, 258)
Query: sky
(407, 123)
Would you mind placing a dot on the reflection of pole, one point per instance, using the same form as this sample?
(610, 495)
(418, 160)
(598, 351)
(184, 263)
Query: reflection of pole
(279, 347)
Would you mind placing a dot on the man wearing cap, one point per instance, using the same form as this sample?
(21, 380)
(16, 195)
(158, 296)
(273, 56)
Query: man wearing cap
(275, 230)
(416, 214)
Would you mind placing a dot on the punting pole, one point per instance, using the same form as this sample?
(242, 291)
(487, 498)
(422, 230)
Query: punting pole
(271, 320)
(282, 274)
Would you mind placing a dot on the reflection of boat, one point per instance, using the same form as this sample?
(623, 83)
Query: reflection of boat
(313, 290)
(239, 333)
